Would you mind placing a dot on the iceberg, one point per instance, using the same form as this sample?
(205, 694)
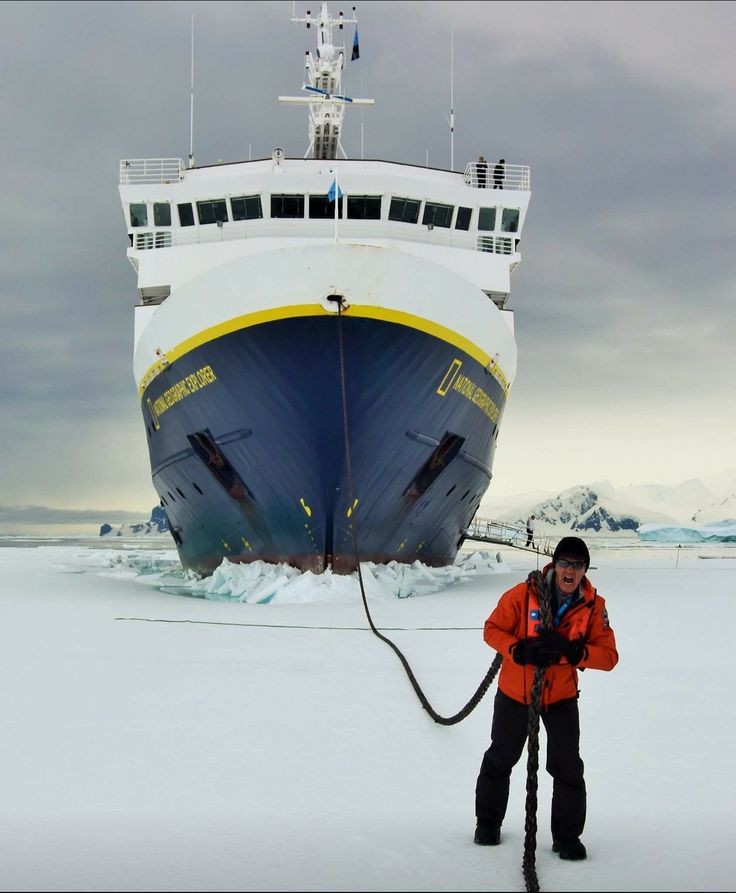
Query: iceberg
(716, 532)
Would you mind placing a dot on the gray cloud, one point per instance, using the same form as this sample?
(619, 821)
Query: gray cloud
(624, 298)
(41, 514)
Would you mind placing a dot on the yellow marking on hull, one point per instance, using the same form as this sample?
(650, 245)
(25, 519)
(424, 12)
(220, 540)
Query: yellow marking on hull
(294, 311)
(480, 398)
(154, 417)
(449, 377)
(212, 333)
(433, 328)
(306, 508)
(180, 390)
(352, 508)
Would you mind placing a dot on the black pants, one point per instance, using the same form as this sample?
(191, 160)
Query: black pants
(529, 537)
(508, 735)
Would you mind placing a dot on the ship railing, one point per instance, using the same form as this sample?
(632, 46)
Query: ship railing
(144, 239)
(481, 175)
(496, 244)
(148, 239)
(151, 170)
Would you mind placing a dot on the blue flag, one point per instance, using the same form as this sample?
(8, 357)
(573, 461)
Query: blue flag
(334, 192)
(356, 46)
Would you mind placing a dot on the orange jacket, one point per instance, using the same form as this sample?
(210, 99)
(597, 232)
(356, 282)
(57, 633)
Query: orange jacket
(517, 615)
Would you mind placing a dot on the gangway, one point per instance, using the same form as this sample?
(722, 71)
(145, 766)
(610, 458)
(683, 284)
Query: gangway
(486, 530)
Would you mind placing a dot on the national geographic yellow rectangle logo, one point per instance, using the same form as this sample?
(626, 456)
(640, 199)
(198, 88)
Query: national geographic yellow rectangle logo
(449, 376)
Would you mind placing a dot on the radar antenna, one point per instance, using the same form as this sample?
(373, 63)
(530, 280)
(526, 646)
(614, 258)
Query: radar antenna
(326, 101)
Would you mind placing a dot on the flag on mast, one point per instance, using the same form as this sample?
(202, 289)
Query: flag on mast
(356, 46)
(334, 191)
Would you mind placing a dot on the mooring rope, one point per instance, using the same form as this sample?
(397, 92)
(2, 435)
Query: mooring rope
(497, 661)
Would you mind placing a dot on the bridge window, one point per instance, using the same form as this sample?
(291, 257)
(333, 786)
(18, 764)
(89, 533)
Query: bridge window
(437, 215)
(462, 221)
(364, 207)
(161, 214)
(246, 207)
(487, 219)
(405, 210)
(321, 208)
(186, 215)
(287, 206)
(510, 220)
(213, 211)
(139, 215)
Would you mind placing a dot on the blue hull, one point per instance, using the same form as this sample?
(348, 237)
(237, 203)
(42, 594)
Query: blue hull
(246, 435)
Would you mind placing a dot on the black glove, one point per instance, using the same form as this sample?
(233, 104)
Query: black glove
(572, 649)
(576, 651)
(555, 642)
(534, 650)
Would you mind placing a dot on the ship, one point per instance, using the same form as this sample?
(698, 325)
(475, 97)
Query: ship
(323, 347)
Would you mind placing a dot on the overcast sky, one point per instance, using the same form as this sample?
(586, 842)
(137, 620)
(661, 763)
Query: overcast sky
(626, 113)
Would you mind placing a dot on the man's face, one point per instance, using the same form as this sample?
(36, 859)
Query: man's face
(569, 572)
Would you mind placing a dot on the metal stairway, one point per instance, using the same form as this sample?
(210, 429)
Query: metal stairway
(501, 533)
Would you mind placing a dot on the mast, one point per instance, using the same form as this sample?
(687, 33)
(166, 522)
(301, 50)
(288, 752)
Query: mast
(324, 73)
(451, 119)
(452, 99)
(191, 106)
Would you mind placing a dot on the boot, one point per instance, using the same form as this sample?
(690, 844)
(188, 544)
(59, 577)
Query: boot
(487, 835)
(574, 850)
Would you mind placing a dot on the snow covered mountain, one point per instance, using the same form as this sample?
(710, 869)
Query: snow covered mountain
(722, 484)
(720, 510)
(602, 508)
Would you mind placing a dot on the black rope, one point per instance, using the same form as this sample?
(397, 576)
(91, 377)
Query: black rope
(497, 661)
(535, 581)
(413, 629)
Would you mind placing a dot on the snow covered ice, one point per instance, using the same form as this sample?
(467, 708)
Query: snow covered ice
(154, 741)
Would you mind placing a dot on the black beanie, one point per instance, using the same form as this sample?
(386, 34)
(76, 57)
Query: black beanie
(572, 547)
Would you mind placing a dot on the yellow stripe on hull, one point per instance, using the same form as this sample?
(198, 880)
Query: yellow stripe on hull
(296, 310)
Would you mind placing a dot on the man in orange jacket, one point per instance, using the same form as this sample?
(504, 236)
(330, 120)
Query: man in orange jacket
(579, 636)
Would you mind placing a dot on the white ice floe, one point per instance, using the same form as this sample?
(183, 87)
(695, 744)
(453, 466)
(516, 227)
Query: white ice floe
(260, 583)
(154, 743)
